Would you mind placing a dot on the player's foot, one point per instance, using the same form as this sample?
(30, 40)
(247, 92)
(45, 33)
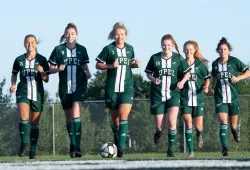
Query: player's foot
(119, 152)
(32, 155)
(22, 149)
(72, 151)
(199, 142)
(190, 155)
(236, 134)
(225, 151)
(78, 153)
(157, 136)
(170, 153)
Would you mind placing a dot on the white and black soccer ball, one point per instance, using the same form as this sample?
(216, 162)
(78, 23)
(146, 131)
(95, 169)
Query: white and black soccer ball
(108, 150)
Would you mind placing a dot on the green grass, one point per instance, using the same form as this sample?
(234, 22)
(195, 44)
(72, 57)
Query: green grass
(136, 156)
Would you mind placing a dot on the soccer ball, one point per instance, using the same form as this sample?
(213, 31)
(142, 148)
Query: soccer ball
(108, 150)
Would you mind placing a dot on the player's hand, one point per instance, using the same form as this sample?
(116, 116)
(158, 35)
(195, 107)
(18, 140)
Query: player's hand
(62, 67)
(180, 85)
(115, 64)
(40, 69)
(157, 81)
(212, 90)
(136, 63)
(88, 75)
(205, 89)
(12, 89)
(235, 79)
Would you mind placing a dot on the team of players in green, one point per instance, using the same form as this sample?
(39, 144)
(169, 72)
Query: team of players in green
(176, 83)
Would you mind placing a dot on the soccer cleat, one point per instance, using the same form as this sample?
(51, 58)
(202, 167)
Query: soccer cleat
(190, 155)
(199, 142)
(78, 153)
(225, 151)
(72, 151)
(32, 155)
(119, 152)
(236, 135)
(22, 149)
(170, 153)
(157, 136)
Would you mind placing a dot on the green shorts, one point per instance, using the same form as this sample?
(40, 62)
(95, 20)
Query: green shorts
(195, 111)
(114, 99)
(35, 106)
(160, 107)
(230, 108)
(67, 100)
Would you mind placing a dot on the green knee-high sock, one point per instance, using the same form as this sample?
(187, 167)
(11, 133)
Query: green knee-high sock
(199, 133)
(171, 139)
(116, 134)
(123, 130)
(78, 131)
(34, 135)
(23, 129)
(223, 134)
(189, 139)
(71, 132)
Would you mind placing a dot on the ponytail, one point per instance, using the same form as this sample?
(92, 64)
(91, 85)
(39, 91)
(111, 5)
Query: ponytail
(170, 37)
(117, 25)
(70, 25)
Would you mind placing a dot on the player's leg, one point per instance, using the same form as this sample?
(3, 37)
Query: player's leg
(187, 116)
(160, 122)
(233, 117)
(115, 125)
(198, 123)
(23, 110)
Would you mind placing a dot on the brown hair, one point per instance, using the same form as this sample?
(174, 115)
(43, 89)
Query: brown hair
(70, 25)
(223, 41)
(117, 25)
(170, 37)
(197, 54)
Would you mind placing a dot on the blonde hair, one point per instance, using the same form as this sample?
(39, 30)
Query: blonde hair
(170, 37)
(197, 54)
(70, 25)
(31, 35)
(117, 25)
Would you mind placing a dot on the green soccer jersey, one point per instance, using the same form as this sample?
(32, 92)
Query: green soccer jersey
(192, 93)
(119, 79)
(225, 90)
(73, 77)
(31, 84)
(169, 71)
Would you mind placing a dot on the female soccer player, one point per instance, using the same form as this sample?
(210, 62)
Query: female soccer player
(226, 72)
(192, 95)
(70, 60)
(168, 73)
(118, 59)
(33, 69)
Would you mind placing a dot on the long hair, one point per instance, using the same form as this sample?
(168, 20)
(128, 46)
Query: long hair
(197, 54)
(117, 25)
(70, 25)
(170, 37)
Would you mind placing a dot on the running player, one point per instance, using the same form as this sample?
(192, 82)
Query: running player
(118, 59)
(168, 73)
(70, 60)
(33, 69)
(192, 95)
(226, 72)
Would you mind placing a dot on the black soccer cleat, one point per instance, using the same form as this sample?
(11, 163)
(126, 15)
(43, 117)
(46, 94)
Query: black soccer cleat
(236, 135)
(157, 136)
(225, 151)
(22, 149)
(119, 152)
(170, 153)
(32, 155)
(72, 151)
(78, 153)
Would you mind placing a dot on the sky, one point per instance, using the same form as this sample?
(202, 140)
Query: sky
(205, 21)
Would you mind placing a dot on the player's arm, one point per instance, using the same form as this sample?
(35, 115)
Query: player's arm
(13, 82)
(206, 85)
(214, 81)
(44, 76)
(186, 76)
(86, 68)
(102, 66)
(243, 76)
(135, 63)
(152, 79)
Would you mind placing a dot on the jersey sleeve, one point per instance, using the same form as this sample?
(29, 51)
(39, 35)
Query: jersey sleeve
(85, 57)
(241, 67)
(103, 56)
(53, 59)
(16, 67)
(204, 71)
(150, 66)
